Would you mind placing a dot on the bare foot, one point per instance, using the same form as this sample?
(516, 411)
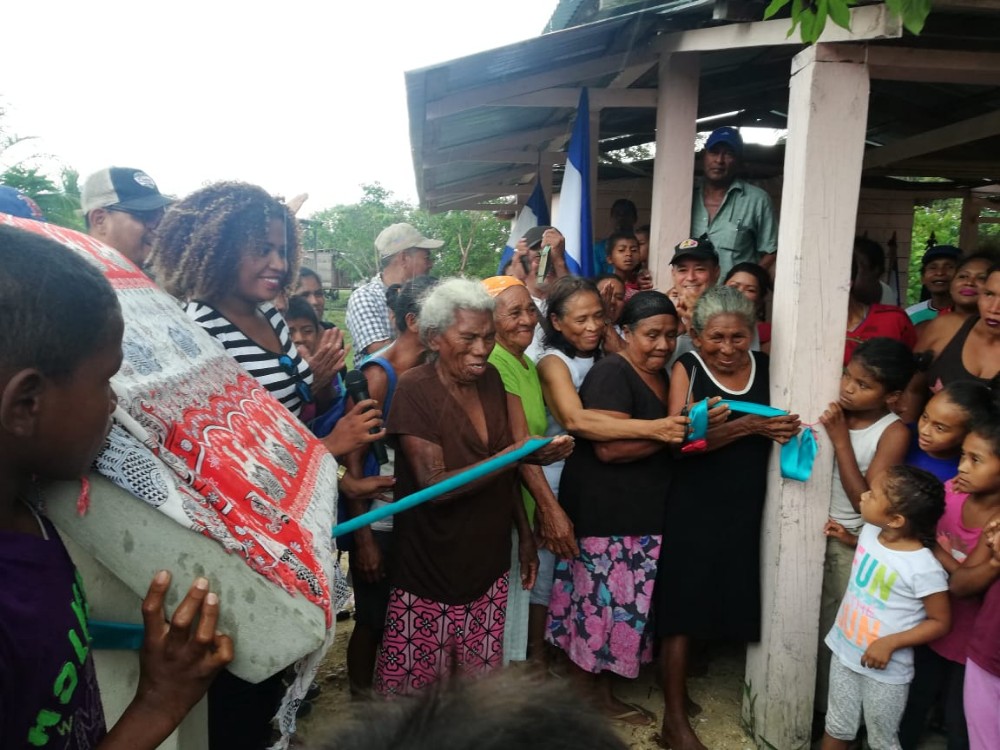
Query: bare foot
(678, 735)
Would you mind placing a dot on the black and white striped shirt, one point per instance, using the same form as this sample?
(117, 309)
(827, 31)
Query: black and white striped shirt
(266, 366)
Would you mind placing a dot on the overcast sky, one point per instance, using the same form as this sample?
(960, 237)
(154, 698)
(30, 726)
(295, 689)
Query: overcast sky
(294, 96)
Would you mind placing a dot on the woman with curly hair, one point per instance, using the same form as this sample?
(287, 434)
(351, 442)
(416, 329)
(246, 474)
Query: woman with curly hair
(228, 250)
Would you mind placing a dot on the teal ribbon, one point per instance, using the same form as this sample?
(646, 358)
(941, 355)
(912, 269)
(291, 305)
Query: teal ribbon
(115, 636)
(441, 488)
(797, 455)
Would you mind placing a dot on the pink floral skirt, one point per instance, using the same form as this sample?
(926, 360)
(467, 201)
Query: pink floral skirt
(600, 606)
(425, 641)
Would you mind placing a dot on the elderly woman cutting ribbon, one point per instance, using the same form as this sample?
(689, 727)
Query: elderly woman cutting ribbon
(713, 590)
(449, 574)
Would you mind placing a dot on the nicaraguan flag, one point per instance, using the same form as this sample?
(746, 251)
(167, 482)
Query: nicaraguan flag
(535, 213)
(574, 198)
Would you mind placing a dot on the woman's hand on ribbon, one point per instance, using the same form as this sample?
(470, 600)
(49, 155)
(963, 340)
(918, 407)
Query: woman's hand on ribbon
(557, 450)
(779, 429)
(670, 430)
(717, 413)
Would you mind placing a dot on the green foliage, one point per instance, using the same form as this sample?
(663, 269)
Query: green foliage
(351, 229)
(810, 16)
(58, 201)
(942, 219)
(473, 240)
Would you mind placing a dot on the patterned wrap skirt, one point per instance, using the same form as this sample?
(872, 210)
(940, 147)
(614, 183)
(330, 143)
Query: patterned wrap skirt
(425, 641)
(599, 613)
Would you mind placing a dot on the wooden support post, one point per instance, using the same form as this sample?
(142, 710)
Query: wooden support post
(828, 109)
(673, 169)
(968, 228)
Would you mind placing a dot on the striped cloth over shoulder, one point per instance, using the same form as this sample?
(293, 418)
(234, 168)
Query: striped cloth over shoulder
(285, 374)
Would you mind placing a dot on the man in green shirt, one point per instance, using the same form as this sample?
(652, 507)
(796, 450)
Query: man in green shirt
(736, 216)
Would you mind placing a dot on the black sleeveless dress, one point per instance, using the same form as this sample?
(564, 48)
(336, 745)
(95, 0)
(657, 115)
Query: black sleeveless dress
(948, 367)
(708, 581)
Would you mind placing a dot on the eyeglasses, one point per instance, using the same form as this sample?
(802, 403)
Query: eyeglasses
(301, 387)
(153, 216)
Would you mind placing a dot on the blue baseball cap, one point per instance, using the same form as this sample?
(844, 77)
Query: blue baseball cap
(728, 136)
(16, 203)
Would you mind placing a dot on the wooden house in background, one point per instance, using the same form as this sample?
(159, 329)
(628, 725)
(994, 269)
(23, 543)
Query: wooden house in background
(866, 112)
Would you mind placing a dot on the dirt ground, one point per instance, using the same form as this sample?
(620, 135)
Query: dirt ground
(718, 692)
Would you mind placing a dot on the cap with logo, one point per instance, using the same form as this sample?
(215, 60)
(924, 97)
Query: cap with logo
(697, 248)
(121, 187)
(940, 251)
(399, 237)
(534, 236)
(16, 203)
(728, 136)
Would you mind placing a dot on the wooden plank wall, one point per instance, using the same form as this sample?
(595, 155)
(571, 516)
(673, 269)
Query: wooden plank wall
(882, 212)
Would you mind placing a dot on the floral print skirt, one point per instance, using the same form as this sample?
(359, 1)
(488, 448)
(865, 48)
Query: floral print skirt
(425, 641)
(600, 608)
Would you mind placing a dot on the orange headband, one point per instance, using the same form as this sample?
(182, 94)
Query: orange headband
(494, 285)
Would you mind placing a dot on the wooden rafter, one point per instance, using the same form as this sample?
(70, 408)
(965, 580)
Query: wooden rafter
(955, 134)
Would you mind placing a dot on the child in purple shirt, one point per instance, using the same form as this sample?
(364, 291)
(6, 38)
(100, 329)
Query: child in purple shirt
(60, 343)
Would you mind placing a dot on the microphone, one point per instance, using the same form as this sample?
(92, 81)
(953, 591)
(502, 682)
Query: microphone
(357, 388)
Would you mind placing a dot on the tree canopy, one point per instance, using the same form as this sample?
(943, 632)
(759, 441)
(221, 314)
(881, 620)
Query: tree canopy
(473, 240)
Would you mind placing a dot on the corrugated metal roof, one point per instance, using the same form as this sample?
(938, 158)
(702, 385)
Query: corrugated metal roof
(455, 120)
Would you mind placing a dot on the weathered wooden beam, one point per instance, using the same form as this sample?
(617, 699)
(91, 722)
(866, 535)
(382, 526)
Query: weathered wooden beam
(473, 204)
(955, 134)
(949, 168)
(500, 157)
(828, 108)
(516, 140)
(867, 22)
(570, 98)
(924, 65)
(461, 101)
(483, 189)
(630, 75)
(675, 136)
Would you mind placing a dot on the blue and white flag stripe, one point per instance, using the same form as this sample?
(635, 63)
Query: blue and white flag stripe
(574, 217)
(534, 214)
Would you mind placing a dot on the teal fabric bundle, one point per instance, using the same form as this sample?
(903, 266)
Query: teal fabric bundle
(797, 455)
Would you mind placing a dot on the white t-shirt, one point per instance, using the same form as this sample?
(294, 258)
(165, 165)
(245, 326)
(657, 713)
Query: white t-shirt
(884, 596)
(578, 369)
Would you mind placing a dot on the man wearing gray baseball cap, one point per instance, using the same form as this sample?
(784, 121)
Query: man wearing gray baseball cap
(403, 253)
(122, 208)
